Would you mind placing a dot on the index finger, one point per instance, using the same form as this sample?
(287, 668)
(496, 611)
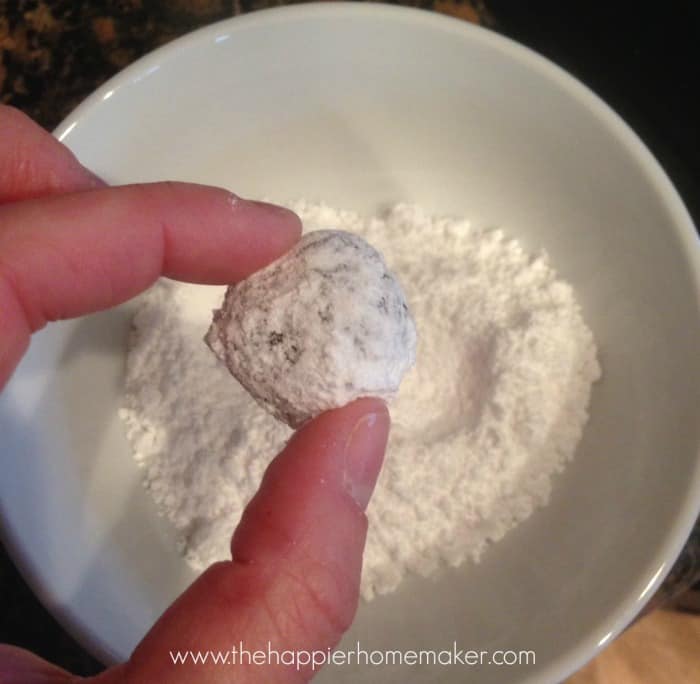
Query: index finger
(68, 255)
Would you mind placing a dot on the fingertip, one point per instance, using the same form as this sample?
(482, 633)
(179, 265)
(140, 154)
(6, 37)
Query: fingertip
(218, 237)
(283, 216)
(345, 417)
(364, 452)
(277, 230)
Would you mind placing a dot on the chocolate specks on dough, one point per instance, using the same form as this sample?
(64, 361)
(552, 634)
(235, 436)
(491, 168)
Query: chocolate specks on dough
(275, 339)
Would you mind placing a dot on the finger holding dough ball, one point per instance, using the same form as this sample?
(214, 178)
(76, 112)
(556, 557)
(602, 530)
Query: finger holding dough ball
(323, 325)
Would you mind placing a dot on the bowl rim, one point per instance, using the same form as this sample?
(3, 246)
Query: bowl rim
(662, 559)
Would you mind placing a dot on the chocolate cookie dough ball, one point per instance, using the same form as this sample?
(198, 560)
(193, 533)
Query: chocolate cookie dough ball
(323, 325)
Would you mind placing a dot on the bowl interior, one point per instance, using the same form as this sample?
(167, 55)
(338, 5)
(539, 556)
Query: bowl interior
(362, 107)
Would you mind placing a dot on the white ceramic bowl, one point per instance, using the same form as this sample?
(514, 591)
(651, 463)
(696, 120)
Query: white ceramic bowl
(364, 105)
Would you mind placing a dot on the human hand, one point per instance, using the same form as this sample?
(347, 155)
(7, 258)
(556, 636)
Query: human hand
(70, 246)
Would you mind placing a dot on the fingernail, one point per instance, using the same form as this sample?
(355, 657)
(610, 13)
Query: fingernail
(364, 455)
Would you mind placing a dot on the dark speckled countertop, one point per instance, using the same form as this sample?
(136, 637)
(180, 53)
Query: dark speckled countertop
(640, 57)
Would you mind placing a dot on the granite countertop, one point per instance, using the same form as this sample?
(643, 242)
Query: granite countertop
(639, 57)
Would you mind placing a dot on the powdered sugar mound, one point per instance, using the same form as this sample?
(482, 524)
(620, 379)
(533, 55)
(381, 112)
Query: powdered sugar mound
(493, 408)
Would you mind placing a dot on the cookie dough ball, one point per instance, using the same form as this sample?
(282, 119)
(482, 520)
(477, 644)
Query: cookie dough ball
(323, 325)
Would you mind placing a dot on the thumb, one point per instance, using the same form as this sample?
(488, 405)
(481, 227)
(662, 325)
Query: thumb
(293, 583)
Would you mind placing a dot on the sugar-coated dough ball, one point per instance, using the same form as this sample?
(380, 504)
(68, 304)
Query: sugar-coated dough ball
(323, 325)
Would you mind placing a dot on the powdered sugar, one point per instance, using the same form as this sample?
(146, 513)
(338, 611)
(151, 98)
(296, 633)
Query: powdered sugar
(493, 408)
